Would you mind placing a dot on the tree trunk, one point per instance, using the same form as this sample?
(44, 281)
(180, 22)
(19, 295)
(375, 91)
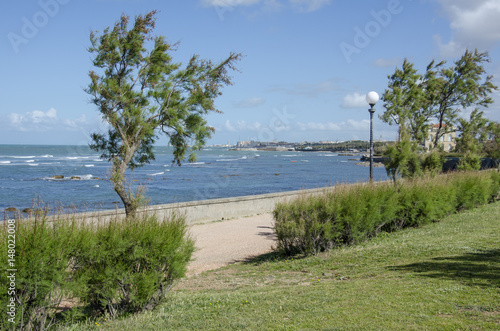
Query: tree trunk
(118, 180)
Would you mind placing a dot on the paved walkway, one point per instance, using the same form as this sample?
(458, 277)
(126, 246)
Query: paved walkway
(226, 242)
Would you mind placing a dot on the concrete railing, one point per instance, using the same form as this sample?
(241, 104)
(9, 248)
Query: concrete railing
(208, 210)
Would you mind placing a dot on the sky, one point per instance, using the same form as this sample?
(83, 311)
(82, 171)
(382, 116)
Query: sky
(307, 65)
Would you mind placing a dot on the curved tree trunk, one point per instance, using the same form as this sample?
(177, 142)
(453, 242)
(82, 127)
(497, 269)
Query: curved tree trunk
(118, 179)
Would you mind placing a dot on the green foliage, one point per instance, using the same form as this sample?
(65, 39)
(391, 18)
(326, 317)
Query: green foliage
(458, 87)
(352, 214)
(432, 162)
(142, 94)
(423, 201)
(403, 160)
(473, 190)
(119, 268)
(42, 255)
(492, 144)
(403, 101)
(469, 161)
(305, 227)
(130, 266)
(413, 101)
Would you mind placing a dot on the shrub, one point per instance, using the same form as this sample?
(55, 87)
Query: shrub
(352, 214)
(473, 189)
(495, 185)
(305, 226)
(129, 266)
(41, 278)
(118, 268)
(432, 162)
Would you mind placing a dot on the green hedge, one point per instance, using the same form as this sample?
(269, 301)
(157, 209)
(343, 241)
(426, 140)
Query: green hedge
(354, 213)
(122, 267)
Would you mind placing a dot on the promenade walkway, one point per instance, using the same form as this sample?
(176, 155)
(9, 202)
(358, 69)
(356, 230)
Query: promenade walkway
(225, 242)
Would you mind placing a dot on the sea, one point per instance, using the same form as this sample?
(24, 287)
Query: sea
(75, 178)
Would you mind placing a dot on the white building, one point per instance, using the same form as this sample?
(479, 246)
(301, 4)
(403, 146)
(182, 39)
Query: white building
(447, 141)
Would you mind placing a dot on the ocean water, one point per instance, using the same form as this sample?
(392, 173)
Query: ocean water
(26, 175)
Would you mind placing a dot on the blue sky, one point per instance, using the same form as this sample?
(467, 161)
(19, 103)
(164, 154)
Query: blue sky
(308, 63)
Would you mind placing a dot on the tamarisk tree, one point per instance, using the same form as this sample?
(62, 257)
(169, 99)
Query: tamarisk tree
(457, 88)
(142, 94)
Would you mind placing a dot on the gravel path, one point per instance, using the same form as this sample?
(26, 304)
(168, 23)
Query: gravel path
(226, 242)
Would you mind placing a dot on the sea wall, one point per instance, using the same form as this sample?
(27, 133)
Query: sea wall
(209, 210)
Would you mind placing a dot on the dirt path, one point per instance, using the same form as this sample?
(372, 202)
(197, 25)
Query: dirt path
(226, 242)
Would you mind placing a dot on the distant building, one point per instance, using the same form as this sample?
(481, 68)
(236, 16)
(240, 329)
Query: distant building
(447, 141)
(247, 144)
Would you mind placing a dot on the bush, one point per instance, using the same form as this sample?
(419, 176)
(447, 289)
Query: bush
(363, 211)
(348, 215)
(129, 266)
(305, 227)
(114, 269)
(473, 189)
(352, 214)
(41, 279)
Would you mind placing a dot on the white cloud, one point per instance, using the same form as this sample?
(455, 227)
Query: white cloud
(272, 6)
(317, 126)
(302, 6)
(39, 121)
(308, 6)
(474, 24)
(242, 126)
(387, 62)
(363, 125)
(229, 3)
(451, 49)
(348, 127)
(354, 100)
(250, 102)
(229, 127)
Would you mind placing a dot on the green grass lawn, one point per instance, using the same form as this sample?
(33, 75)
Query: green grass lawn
(444, 276)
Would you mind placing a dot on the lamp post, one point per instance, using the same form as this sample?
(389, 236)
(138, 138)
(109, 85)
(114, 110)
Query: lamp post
(371, 98)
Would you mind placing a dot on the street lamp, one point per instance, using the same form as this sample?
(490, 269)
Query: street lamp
(371, 98)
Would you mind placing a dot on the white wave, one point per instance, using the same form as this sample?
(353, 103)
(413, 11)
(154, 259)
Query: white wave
(4, 162)
(76, 157)
(30, 161)
(96, 185)
(158, 173)
(33, 164)
(89, 165)
(86, 177)
(196, 163)
(22, 157)
(227, 160)
(46, 155)
(290, 155)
